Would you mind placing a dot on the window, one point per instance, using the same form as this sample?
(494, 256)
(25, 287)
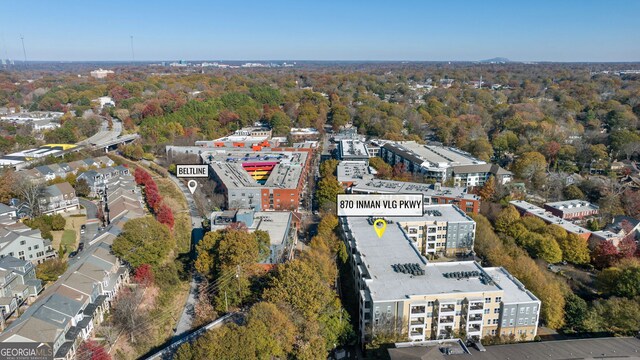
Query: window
(519, 321)
(510, 322)
(35, 247)
(20, 253)
(504, 322)
(459, 302)
(486, 311)
(489, 322)
(498, 299)
(496, 311)
(430, 303)
(22, 242)
(487, 300)
(521, 310)
(527, 310)
(526, 321)
(513, 311)
(493, 332)
(495, 321)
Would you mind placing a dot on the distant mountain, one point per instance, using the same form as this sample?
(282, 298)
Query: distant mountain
(496, 60)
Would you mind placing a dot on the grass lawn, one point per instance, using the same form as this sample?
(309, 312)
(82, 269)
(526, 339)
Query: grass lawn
(68, 240)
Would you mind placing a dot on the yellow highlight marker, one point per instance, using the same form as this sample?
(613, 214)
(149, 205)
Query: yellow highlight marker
(380, 226)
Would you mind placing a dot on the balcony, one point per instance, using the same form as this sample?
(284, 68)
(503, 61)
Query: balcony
(418, 310)
(447, 308)
(475, 318)
(417, 321)
(476, 307)
(447, 320)
(416, 333)
(474, 329)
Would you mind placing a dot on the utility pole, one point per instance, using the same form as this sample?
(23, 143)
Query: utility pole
(24, 52)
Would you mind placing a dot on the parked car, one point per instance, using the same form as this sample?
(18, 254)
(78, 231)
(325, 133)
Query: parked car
(81, 247)
(72, 254)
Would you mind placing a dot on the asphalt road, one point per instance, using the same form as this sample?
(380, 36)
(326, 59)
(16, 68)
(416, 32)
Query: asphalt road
(91, 207)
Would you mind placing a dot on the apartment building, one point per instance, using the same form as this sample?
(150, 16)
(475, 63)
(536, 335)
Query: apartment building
(399, 289)
(572, 209)
(282, 227)
(272, 179)
(353, 149)
(442, 230)
(527, 209)
(435, 162)
(478, 174)
(443, 163)
(433, 194)
(350, 173)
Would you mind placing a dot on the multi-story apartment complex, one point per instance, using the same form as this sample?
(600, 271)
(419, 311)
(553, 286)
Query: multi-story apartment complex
(442, 163)
(442, 230)
(477, 175)
(263, 179)
(353, 149)
(433, 194)
(572, 209)
(399, 289)
(528, 209)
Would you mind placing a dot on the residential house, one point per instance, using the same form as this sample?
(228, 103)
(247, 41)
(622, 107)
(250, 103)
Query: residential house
(8, 214)
(72, 308)
(20, 241)
(58, 198)
(95, 180)
(478, 174)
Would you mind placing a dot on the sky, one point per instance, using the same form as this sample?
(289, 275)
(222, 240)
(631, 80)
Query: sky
(420, 30)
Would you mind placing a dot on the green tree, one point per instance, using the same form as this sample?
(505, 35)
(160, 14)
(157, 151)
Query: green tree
(327, 193)
(384, 170)
(329, 168)
(531, 166)
(576, 312)
(143, 241)
(507, 217)
(622, 279)
(575, 249)
(573, 192)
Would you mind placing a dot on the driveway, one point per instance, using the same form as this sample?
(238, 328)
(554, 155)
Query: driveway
(91, 207)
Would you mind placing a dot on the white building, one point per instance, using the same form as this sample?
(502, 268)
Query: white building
(100, 73)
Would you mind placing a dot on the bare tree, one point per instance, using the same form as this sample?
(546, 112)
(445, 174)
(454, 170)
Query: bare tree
(126, 313)
(32, 194)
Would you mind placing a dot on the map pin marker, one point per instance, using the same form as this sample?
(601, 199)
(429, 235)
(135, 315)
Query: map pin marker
(192, 184)
(380, 226)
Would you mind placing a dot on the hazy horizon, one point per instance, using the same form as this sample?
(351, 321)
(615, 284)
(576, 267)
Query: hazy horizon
(542, 31)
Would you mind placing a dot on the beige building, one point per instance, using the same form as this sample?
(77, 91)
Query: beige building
(400, 290)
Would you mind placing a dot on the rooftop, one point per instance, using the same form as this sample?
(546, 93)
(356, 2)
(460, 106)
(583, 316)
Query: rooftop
(572, 206)
(379, 255)
(229, 166)
(400, 187)
(436, 156)
(349, 171)
(350, 147)
(548, 217)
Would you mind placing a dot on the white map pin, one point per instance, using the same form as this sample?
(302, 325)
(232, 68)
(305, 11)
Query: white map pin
(192, 185)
